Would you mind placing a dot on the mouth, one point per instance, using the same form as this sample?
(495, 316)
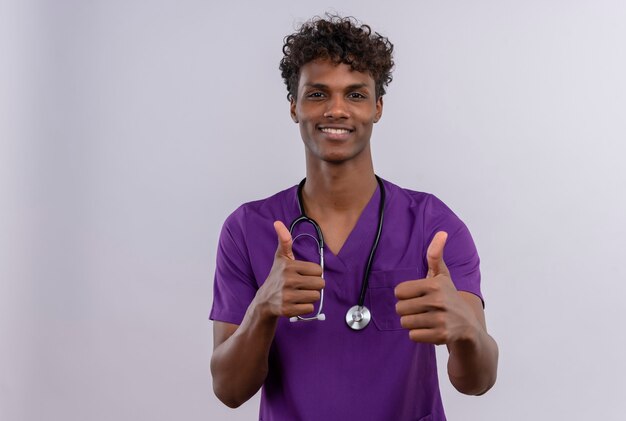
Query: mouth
(330, 130)
(337, 133)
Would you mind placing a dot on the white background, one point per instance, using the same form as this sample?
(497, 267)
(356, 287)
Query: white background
(130, 130)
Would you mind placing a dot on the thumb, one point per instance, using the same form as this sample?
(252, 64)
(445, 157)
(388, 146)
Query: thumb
(434, 255)
(284, 240)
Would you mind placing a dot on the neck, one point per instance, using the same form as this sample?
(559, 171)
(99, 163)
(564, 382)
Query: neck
(338, 187)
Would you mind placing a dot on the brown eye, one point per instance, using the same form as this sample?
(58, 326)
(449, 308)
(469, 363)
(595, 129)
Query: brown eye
(356, 95)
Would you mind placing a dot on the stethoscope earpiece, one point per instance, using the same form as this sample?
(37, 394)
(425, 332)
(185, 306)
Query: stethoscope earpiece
(320, 316)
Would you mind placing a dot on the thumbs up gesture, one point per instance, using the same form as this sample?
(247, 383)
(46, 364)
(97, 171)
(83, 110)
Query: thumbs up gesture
(292, 286)
(431, 308)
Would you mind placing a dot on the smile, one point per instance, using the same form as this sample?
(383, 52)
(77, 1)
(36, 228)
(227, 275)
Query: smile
(335, 131)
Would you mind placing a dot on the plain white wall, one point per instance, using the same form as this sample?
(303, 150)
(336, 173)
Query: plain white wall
(131, 129)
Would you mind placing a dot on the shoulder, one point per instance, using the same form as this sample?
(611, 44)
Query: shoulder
(428, 213)
(266, 207)
(251, 216)
(423, 202)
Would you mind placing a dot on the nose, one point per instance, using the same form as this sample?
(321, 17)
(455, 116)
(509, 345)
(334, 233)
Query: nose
(337, 108)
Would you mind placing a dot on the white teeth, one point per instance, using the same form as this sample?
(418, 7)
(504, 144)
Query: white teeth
(335, 131)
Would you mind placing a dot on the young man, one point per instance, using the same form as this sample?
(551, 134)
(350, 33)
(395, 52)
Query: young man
(352, 338)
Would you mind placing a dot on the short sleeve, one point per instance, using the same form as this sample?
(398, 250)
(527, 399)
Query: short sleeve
(460, 254)
(234, 283)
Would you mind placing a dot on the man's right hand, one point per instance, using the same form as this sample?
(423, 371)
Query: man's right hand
(292, 286)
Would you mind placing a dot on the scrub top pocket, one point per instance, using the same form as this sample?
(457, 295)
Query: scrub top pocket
(382, 298)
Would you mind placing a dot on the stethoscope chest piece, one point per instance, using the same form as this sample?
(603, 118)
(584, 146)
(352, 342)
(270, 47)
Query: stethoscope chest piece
(358, 317)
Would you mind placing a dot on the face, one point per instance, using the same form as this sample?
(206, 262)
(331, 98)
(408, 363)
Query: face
(336, 108)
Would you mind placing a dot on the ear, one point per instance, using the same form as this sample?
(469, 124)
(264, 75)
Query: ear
(292, 109)
(379, 109)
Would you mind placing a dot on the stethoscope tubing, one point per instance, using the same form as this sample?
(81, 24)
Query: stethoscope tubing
(379, 230)
(320, 244)
(320, 236)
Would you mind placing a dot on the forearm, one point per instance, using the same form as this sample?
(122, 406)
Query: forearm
(473, 363)
(240, 364)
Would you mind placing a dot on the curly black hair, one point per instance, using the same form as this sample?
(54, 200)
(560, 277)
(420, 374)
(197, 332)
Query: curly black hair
(340, 40)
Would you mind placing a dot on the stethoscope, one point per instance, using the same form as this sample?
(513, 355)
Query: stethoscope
(357, 316)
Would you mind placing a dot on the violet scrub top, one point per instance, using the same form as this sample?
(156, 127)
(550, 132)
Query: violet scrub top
(323, 370)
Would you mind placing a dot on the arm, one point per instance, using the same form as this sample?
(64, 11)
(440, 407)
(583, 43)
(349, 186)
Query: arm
(435, 312)
(473, 361)
(239, 363)
(240, 354)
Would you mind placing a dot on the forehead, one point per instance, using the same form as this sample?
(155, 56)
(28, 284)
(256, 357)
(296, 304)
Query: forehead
(325, 72)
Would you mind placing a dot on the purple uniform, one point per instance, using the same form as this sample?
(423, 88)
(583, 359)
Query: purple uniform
(323, 370)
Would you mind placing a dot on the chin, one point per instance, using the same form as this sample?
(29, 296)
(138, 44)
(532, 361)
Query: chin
(338, 158)
(335, 154)
(335, 160)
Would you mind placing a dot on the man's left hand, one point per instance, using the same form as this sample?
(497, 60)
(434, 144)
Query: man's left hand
(431, 308)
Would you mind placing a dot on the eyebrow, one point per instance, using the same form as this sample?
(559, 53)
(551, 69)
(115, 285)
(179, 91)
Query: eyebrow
(348, 88)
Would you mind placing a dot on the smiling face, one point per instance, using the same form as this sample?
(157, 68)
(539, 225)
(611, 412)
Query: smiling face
(336, 108)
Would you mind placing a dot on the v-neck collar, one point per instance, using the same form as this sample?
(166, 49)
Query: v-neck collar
(361, 237)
